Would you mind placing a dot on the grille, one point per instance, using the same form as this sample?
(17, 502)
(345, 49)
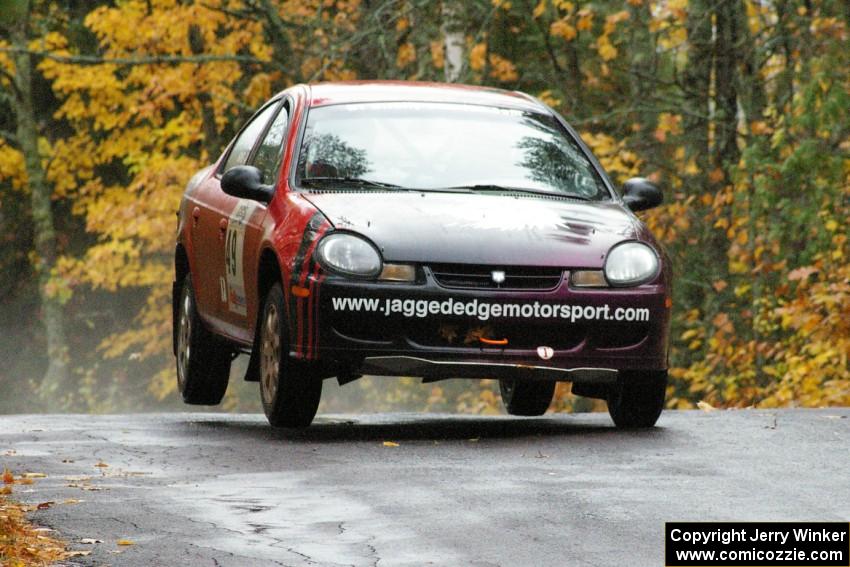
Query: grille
(465, 276)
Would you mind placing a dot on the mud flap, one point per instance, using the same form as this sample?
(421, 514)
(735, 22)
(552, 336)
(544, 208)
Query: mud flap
(599, 391)
(252, 373)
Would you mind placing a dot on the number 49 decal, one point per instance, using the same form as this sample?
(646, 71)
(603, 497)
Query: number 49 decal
(234, 247)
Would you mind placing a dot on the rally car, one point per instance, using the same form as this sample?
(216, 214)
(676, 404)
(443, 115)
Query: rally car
(427, 230)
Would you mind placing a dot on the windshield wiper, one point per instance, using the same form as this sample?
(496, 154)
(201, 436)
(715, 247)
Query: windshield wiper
(505, 189)
(347, 181)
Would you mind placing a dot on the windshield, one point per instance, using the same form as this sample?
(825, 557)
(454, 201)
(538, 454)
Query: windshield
(422, 146)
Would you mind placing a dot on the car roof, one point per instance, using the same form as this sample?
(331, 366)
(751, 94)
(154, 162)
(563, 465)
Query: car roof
(324, 94)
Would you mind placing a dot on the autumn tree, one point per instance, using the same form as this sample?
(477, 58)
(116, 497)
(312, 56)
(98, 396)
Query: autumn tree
(21, 23)
(737, 108)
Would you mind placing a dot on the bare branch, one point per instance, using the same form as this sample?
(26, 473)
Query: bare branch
(241, 14)
(142, 60)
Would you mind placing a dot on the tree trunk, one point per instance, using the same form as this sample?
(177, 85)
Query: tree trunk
(453, 41)
(211, 139)
(55, 378)
(697, 79)
(726, 92)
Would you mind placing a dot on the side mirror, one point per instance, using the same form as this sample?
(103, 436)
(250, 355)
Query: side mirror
(640, 194)
(246, 182)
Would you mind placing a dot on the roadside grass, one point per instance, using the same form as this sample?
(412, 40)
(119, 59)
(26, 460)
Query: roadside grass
(21, 543)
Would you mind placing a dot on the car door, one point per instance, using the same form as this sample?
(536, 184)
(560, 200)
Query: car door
(245, 229)
(211, 213)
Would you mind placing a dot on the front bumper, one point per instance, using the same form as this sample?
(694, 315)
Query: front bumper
(419, 330)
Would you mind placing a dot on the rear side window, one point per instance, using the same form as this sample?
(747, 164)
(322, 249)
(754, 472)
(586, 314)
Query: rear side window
(270, 152)
(248, 137)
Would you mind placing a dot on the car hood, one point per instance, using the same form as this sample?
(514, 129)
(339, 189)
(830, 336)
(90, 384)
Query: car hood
(480, 229)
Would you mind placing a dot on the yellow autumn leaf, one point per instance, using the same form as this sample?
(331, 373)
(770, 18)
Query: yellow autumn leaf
(561, 28)
(477, 56)
(539, 9)
(390, 444)
(406, 55)
(585, 19)
(606, 50)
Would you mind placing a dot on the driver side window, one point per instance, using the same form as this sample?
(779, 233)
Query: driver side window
(248, 137)
(270, 151)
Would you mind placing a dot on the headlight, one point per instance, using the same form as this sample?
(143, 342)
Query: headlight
(350, 255)
(630, 263)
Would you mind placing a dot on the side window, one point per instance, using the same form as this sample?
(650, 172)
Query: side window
(245, 142)
(270, 152)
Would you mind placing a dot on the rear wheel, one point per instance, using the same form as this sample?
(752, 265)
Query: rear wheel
(290, 389)
(526, 397)
(203, 362)
(636, 400)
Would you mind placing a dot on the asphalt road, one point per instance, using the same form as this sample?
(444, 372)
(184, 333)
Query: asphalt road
(211, 489)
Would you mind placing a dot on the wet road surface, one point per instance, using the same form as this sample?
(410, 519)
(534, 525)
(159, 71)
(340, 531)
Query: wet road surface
(418, 489)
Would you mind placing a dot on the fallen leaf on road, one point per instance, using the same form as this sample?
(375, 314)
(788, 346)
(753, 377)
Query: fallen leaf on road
(126, 542)
(6, 490)
(35, 475)
(88, 487)
(102, 465)
(474, 440)
(70, 554)
(25, 481)
(71, 501)
(8, 477)
(705, 406)
(45, 505)
(90, 541)
(390, 444)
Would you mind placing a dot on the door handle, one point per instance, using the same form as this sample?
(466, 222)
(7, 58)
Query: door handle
(222, 228)
(196, 215)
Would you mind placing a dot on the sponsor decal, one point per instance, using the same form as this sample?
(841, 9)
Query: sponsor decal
(234, 256)
(484, 310)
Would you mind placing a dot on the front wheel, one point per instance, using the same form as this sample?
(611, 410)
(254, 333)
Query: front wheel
(636, 400)
(203, 362)
(289, 389)
(525, 397)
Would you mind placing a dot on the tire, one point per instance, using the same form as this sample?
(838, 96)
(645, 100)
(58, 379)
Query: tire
(203, 361)
(637, 399)
(526, 397)
(289, 389)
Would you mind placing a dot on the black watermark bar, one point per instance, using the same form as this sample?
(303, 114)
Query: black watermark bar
(757, 544)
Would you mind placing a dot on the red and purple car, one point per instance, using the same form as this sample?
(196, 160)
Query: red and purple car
(428, 230)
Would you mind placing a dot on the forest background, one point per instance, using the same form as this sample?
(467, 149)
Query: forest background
(739, 109)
